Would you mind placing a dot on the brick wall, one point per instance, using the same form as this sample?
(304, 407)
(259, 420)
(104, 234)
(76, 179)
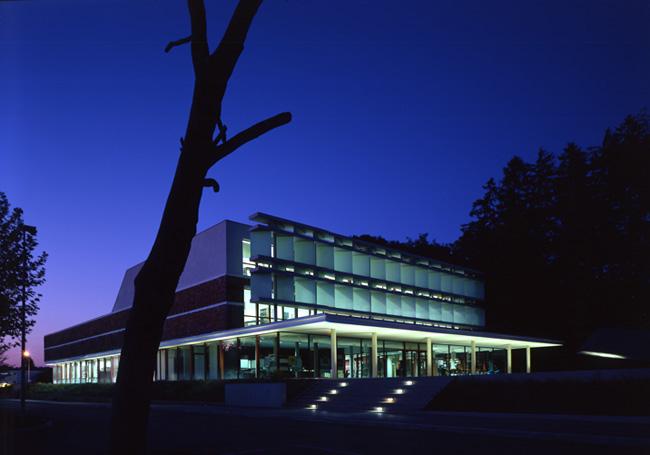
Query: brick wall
(224, 317)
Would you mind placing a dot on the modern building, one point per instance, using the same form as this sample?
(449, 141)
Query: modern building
(283, 299)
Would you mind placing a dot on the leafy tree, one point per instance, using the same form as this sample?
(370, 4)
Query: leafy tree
(421, 246)
(564, 241)
(201, 148)
(21, 272)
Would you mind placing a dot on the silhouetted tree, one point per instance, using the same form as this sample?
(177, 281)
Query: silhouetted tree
(565, 242)
(421, 246)
(155, 285)
(21, 272)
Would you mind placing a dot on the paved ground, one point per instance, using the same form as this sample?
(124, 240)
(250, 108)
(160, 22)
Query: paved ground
(197, 429)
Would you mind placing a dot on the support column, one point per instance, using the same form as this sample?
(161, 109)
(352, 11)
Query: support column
(509, 359)
(429, 358)
(473, 368)
(257, 356)
(373, 355)
(334, 368)
(527, 359)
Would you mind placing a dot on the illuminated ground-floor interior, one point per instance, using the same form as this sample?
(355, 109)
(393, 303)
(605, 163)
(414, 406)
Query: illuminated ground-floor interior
(321, 346)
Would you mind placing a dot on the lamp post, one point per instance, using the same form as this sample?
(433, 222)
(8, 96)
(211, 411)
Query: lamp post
(27, 229)
(29, 363)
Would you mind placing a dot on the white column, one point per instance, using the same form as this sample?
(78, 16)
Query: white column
(429, 358)
(527, 359)
(509, 359)
(334, 371)
(373, 355)
(473, 344)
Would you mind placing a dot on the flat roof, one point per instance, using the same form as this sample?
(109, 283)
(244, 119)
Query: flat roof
(267, 219)
(346, 326)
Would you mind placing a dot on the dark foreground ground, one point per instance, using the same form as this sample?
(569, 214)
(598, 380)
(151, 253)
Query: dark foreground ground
(81, 428)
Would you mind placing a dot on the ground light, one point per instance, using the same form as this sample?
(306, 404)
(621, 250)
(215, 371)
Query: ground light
(606, 355)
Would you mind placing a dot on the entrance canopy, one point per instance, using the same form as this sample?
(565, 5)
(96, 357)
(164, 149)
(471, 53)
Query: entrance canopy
(346, 326)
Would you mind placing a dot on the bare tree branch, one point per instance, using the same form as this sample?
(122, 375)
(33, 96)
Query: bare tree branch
(249, 134)
(211, 183)
(232, 43)
(199, 37)
(180, 42)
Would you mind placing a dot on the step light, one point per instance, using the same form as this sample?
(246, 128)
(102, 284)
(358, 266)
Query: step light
(333, 392)
(312, 406)
(389, 400)
(378, 409)
(399, 391)
(408, 383)
(323, 398)
(343, 384)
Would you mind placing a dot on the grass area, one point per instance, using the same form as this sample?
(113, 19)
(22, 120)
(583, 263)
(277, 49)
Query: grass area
(562, 396)
(197, 391)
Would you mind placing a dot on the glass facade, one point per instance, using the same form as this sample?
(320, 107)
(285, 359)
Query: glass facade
(293, 355)
(299, 269)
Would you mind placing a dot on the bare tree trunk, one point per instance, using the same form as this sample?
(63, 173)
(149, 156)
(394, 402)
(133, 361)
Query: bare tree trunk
(155, 285)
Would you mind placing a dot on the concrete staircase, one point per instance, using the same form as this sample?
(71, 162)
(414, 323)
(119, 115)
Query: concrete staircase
(387, 395)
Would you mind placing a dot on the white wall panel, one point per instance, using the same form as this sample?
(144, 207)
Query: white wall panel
(378, 268)
(408, 306)
(304, 251)
(434, 280)
(284, 247)
(421, 277)
(261, 286)
(361, 299)
(284, 287)
(408, 274)
(305, 290)
(393, 271)
(393, 304)
(360, 264)
(343, 296)
(447, 312)
(342, 260)
(325, 256)
(378, 302)
(325, 293)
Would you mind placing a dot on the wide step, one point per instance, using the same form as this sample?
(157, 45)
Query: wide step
(379, 395)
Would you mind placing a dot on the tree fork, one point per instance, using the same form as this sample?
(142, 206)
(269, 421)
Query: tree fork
(155, 285)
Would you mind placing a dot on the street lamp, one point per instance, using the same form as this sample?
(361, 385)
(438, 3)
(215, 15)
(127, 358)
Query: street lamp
(27, 229)
(29, 364)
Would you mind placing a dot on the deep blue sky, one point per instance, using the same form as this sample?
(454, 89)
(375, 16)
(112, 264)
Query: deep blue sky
(402, 110)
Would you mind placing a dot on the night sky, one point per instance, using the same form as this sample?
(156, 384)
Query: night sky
(401, 111)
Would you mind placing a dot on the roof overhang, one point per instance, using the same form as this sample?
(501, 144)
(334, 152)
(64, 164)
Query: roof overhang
(354, 327)
(346, 326)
